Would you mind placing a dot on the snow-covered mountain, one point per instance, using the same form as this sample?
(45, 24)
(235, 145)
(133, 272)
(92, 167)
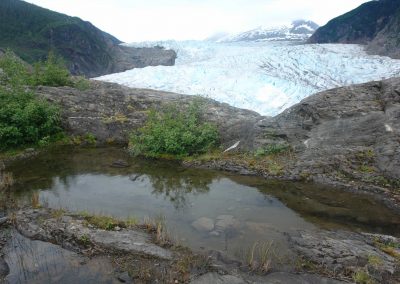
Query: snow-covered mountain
(263, 76)
(299, 30)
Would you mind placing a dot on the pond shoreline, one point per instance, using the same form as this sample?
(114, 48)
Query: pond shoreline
(54, 226)
(233, 163)
(72, 233)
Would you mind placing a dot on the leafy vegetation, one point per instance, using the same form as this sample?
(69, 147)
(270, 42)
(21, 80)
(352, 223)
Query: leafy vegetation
(26, 119)
(172, 132)
(51, 72)
(362, 277)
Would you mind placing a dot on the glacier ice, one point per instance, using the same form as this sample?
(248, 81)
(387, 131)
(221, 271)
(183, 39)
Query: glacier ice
(266, 77)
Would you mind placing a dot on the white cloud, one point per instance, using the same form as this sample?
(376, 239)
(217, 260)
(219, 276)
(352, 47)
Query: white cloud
(137, 20)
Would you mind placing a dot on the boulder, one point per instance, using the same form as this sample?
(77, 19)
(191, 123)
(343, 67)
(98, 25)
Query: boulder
(203, 224)
(225, 222)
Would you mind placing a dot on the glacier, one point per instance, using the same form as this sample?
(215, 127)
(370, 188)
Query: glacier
(266, 77)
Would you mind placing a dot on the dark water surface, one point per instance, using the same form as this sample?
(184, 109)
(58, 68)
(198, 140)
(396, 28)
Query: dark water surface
(262, 210)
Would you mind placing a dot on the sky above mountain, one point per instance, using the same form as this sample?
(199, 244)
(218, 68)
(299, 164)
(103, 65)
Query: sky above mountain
(138, 20)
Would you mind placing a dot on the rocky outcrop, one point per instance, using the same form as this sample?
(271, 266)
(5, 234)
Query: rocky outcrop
(345, 253)
(70, 230)
(110, 111)
(353, 131)
(31, 32)
(387, 41)
(375, 23)
(273, 278)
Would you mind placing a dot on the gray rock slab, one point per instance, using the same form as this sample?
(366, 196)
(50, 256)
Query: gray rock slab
(215, 278)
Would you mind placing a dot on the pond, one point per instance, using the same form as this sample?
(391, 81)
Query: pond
(203, 209)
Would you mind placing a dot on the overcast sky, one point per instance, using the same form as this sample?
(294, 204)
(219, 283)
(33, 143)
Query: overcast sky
(141, 20)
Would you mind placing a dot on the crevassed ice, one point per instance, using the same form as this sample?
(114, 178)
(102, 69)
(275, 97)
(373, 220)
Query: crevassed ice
(266, 77)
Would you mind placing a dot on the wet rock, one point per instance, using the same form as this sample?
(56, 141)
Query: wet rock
(124, 278)
(345, 251)
(203, 224)
(124, 240)
(31, 224)
(134, 177)
(225, 222)
(258, 227)
(32, 261)
(3, 220)
(284, 277)
(4, 269)
(120, 164)
(216, 278)
(215, 234)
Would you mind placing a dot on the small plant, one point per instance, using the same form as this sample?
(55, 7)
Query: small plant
(45, 141)
(107, 223)
(258, 258)
(375, 261)
(158, 227)
(174, 132)
(365, 155)
(272, 149)
(85, 240)
(90, 139)
(81, 83)
(35, 201)
(6, 180)
(366, 169)
(362, 277)
(58, 213)
(131, 221)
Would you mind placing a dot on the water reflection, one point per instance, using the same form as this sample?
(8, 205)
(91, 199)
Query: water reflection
(82, 179)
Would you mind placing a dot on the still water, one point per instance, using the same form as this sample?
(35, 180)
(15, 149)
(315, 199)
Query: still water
(203, 209)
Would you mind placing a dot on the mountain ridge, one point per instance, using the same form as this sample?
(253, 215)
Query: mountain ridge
(32, 31)
(298, 30)
(375, 24)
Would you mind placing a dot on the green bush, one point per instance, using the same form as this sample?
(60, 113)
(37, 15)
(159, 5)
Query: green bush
(52, 72)
(14, 73)
(25, 119)
(174, 132)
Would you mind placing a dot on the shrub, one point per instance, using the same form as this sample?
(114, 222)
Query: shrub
(14, 72)
(174, 132)
(25, 119)
(52, 72)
